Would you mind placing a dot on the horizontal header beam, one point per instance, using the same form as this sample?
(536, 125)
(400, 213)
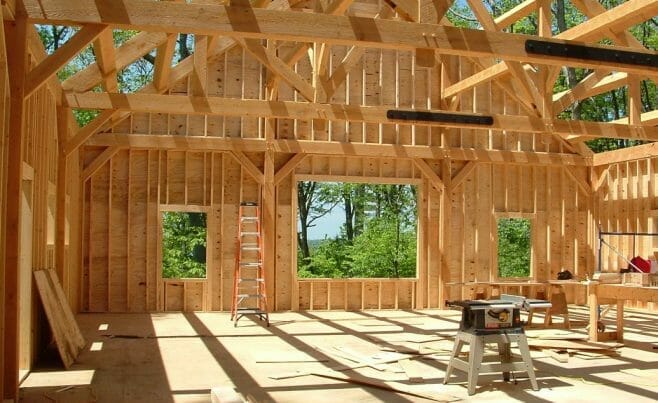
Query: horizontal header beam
(183, 104)
(193, 143)
(247, 22)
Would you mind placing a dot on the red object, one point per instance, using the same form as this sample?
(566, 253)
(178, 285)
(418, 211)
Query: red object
(642, 264)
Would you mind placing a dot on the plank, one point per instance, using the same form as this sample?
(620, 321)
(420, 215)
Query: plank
(412, 370)
(571, 345)
(65, 331)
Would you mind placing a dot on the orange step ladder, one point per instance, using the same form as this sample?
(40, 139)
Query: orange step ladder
(249, 291)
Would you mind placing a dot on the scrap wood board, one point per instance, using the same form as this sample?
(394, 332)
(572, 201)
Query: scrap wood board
(65, 329)
(571, 345)
(391, 386)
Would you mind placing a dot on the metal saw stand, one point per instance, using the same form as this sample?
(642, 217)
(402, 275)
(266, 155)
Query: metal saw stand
(474, 367)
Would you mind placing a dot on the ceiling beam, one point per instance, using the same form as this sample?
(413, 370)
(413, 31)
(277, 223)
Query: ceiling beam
(183, 104)
(203, 19)
(198, 143)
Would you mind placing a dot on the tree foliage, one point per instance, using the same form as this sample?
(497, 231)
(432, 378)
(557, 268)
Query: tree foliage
(183, 245)
(377, 235)
(514, 244)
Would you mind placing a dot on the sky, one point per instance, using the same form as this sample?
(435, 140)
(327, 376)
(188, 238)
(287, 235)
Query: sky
(328, 225)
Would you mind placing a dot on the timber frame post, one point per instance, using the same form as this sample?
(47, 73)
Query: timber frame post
(18, 67)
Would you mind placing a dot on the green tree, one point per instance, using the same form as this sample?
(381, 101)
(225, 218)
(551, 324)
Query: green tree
(378, 236)
(183, 245)
(514, 244)
(383, 250)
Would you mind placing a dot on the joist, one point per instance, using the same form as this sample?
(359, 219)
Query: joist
(179, 104)
(257, 23)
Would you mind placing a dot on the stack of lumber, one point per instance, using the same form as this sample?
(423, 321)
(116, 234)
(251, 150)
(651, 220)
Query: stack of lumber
(65, 329)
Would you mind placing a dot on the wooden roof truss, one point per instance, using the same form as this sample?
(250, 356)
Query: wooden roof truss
(260, 27)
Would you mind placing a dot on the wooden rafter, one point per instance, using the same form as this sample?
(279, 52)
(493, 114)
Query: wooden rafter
(182, 104)
(133, 49)
(513, 15)
(595, 83)
(624, 16)
(379, 33)
(55, 62)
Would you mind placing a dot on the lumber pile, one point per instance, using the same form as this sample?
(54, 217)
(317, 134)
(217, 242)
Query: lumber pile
(66, 332)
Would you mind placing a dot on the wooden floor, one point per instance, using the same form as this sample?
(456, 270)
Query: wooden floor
(179, 357)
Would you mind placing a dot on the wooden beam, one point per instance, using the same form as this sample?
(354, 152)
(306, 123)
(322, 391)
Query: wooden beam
(203, 19)
(595, 83)
(182, 104)
(87, 131)
(288, 168)
(249, 166)
(98, 162)
(17, 66)
(462, 174)
(106, 59)
(199, 77)
(592, 8)
(166, 142)
(268, 57)
(623, 17)
(646, 119)
(582, 184)
(339, 75)
(427, 170)
(56, 61)
(522, 10)
(626, 154)
(198, 143)
(133, 49)
(163, 63)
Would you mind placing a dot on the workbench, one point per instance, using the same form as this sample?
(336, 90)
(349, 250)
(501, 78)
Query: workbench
(616, 294)
(552, 290)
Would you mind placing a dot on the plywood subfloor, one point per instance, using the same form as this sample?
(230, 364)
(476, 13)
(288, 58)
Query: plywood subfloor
(179, 357)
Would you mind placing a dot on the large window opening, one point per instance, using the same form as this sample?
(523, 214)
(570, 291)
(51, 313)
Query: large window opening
(514, 247)
(184, 237)
(355, 230)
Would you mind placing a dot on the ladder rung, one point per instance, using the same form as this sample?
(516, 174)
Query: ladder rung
(249, 233)
(250, 295)
(249, 218)
(250, 264)
(251, 280)
(249, 248)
